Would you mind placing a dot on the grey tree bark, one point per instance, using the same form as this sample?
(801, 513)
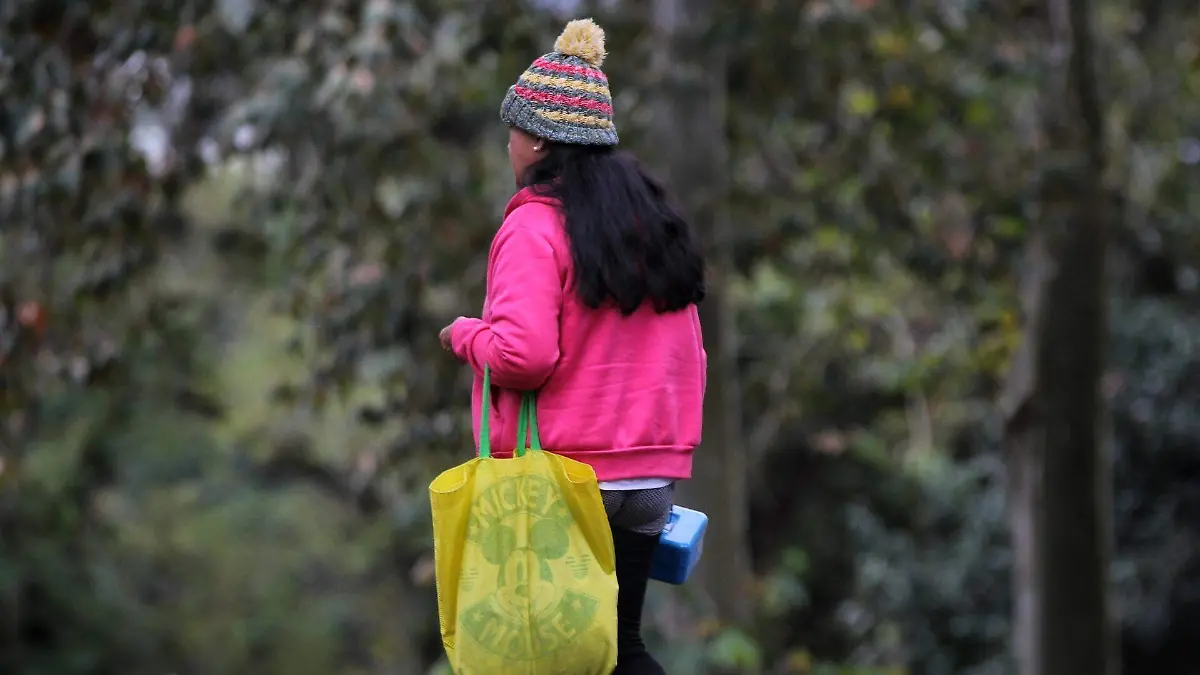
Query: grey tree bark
(691, 150)
(1060, 473)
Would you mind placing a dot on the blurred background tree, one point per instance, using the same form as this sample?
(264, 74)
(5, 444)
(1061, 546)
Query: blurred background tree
(1053, 403)
(231, 229)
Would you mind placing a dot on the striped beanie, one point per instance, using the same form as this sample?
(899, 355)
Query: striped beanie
(563, 97)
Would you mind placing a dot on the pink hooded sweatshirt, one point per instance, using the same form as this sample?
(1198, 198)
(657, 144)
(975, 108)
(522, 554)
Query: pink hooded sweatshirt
(623, 394)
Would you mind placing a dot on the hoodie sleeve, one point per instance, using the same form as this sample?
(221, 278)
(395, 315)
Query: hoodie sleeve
(700, 347)
(519, 340)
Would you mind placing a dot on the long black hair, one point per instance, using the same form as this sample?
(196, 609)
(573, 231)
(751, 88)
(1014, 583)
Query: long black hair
(629, 242)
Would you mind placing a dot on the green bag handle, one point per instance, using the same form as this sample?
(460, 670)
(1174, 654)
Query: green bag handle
(526, 420)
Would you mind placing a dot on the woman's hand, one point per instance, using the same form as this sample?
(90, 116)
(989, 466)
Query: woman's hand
(445, 335)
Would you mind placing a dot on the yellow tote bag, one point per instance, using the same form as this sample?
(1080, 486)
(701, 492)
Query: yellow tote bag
(526, 576)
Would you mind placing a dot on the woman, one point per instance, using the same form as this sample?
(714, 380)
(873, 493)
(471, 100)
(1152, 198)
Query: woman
(592, 285)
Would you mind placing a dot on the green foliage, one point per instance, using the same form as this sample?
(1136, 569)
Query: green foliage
(734, 650)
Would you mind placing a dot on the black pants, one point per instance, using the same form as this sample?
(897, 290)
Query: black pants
(637, 518)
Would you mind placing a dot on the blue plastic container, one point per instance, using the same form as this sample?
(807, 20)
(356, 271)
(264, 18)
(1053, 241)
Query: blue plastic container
(680, 546)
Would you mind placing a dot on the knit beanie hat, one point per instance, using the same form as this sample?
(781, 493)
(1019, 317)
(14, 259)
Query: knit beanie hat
(563, 97)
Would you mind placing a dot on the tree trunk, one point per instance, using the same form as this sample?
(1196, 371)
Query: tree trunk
(1060, 474)
(690, 142)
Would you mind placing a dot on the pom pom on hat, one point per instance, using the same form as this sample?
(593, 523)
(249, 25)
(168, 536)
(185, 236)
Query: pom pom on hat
(563, 96)
(584, 39)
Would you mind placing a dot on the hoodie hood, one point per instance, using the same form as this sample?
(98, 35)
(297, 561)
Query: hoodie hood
(528, 195)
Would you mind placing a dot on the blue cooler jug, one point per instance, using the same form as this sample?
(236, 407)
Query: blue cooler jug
(679, 546)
